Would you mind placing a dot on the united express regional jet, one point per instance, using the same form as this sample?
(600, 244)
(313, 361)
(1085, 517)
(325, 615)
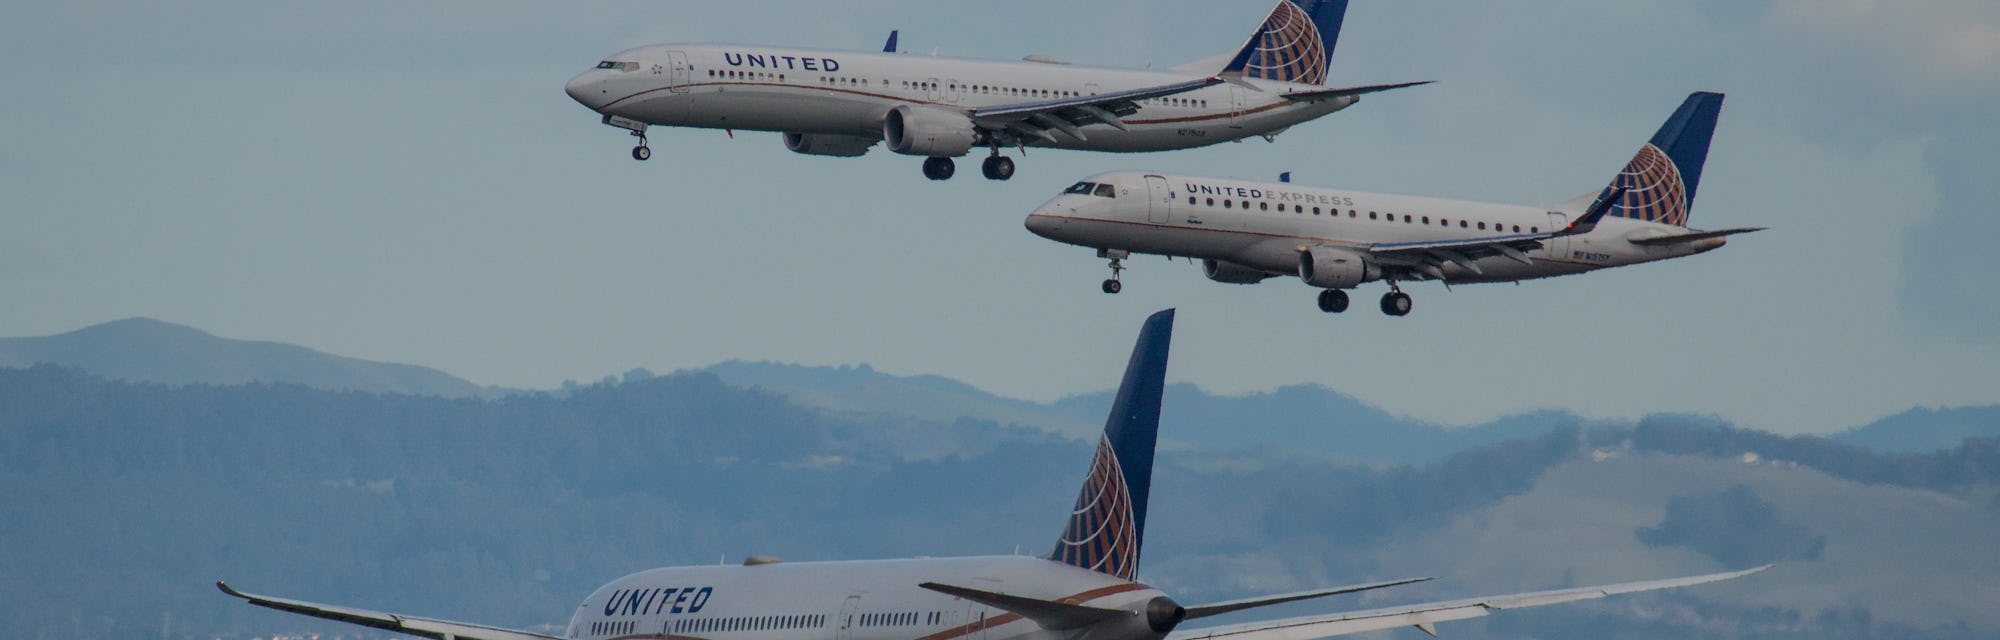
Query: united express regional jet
(840, 103)
(1245, 232)
(1087, 588)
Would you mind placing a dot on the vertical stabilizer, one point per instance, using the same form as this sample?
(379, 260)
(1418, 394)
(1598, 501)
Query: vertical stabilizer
(1107, 527)
(1295, 43)
(1660, 180)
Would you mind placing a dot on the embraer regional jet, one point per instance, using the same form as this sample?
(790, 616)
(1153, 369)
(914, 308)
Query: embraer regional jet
(840, 103)
(1087, 588)
(1246, 232)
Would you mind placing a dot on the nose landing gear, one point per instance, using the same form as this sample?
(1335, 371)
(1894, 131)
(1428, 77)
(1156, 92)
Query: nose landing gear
(1117, 256)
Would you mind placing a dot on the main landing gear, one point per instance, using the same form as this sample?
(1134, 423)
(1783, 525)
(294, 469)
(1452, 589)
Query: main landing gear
(1395, 302)
(1333, 301)
(995, 167)
(1111, 284)
(939, 168)
(642, 152)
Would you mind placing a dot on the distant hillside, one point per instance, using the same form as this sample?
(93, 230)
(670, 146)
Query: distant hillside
(1298, 418)
(148, 350)
(1919, 430)
(506, 510)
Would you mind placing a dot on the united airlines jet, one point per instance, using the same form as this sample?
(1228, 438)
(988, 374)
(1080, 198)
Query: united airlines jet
(1246, 232)
(1086, 588)
(841, 103)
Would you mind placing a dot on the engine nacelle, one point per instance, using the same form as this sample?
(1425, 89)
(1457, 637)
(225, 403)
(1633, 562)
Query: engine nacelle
(821, 144)
(1335, 268)
(928, 131)
(1232, 273)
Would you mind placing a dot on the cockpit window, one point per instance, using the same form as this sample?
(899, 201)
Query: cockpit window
(1105, 190)
(1081, 188)
(621, 66)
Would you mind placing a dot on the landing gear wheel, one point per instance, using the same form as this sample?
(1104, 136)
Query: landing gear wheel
(642, 152)
(1111, 285)
(997, 168)
(1396, 303)
(1333, 301)
(939, 168)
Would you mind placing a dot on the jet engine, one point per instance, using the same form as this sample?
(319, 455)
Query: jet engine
(1335, 268)
(928, 131)
(1231, 272)
(821, 144)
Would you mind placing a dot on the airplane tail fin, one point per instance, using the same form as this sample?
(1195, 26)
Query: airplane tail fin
(1108, 524)
(1294, 44)
(1660, 180)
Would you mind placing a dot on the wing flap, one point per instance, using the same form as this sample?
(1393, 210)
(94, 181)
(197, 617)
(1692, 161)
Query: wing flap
(425, 627)
(1426, 614)
(1220, 608)
(1691, 237)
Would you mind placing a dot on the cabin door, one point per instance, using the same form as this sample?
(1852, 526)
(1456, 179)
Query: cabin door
(1159, 200)
(846, 619)
(678, 70)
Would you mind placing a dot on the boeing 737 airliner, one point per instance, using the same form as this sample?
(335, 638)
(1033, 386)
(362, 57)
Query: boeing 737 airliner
(1087, 588)
(1246, 232)
(840, 103)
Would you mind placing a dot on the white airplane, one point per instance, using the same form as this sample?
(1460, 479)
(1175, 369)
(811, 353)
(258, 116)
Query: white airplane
(840, 103)
(1087, 588)
(1246, 232)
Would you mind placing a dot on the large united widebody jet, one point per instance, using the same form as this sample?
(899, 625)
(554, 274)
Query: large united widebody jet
(1246, 232)
(1086, 588)
(841, 103)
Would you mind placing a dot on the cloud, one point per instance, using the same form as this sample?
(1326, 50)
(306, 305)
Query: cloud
(1928, 47)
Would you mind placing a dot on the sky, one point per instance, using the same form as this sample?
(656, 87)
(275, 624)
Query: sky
(406, 182)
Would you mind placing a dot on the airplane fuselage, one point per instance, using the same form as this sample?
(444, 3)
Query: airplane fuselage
(848, 93)
(1262, 226)
(858, 600)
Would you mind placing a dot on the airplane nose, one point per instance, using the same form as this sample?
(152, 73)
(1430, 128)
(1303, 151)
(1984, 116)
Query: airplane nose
(1044, 226)
(578, 89)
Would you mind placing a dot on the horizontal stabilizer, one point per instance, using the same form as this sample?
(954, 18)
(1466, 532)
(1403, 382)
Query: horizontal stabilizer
(425, 627)
(1691, 237)
(1219, 608)
(1323, 94)
(1052, 615)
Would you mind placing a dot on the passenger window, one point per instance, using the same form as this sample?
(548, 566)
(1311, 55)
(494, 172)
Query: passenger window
(1246, 204)
(1211, 202)
(1227, 204)
(1263, 206)
(1315, 210)
(1534, 229)
(1406, 218)
(1190, 199)
(1427, 219)
(1371, 215)
(1461, 224)
(1106, 191)
(1482, 226)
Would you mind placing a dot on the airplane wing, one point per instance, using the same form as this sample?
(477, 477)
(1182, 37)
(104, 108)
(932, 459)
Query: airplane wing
(426, 627)
(1691, 237)
(1038, 120)
(1426, 616)
(1427, 258)
(1341, 92)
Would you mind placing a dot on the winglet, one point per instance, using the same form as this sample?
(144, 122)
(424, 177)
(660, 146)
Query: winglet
(890, 46)
(224, 586)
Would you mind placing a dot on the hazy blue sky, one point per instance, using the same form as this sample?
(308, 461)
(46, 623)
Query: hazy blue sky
(407, 182)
